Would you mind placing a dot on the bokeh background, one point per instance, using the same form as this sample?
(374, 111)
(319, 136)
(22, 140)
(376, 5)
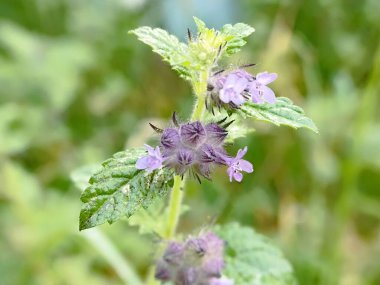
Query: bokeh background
(75, 88)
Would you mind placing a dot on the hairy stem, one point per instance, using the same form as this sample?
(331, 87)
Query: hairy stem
(176, 196)
(200, 89)
(174, 207)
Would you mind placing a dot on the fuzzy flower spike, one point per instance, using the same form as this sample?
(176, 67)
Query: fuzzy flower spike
(197, 261)
(195, 147)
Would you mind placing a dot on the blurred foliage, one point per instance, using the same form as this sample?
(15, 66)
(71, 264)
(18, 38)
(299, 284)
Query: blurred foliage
(76, 89)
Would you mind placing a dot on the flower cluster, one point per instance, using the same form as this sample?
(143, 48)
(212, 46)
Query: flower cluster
(196, 147)
(237, 87)
(197, 261)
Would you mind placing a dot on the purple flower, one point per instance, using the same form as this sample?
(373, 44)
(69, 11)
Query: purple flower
(237, 164)
(261, 93)
(152, 161)
(233, 88)
(221, 281)
(198, 261)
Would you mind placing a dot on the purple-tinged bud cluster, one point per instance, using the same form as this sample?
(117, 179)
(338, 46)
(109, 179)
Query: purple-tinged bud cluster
(236, 87)
(196, 147)
(197, 261)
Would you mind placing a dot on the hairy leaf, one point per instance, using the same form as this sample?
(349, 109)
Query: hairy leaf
(119, 189)
(283, 112)
(234, 36)
(252, 258)
(167, 46)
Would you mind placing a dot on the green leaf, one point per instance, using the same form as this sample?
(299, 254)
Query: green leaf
(234, 36)
(167, 46)
(283, 112)
(119, 189)
(201, 26)
(252, 258)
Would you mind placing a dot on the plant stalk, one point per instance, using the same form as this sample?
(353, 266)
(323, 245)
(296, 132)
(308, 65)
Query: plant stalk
(177, 194)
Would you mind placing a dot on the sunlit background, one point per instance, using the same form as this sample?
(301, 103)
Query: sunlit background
(76, 88)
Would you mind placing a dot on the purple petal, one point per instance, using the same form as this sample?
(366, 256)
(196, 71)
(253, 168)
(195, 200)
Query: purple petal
(266, 78)
(268, 94)
(240, 85)
(256, 98)
(230, 172)
(245, 166)
(238, 99)
(241, 152)
(149, 149)
(225, 95)
(238, 176)
(231, 81)
(153, 164)
(142, 163)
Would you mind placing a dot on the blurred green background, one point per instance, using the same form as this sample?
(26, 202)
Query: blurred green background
(75, 88)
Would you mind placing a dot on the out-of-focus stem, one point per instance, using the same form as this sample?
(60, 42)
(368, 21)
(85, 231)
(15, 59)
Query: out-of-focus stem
(122, 267)
(351, 168)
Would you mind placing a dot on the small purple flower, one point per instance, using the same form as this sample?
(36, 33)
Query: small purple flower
(238, 164)
(221, 281)
(233, 88)
(259, 91)
(152, 161)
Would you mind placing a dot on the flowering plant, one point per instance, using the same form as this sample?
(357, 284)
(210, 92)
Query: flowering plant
(134, 179)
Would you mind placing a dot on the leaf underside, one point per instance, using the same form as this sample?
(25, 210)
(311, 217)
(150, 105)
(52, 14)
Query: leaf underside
(167, 46)
(252, 258)
(283, 112)
(119, 189)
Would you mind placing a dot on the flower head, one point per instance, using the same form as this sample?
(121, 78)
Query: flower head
(152, 161)
(194, 147)
(198, 261)
(259, 91)
(233, 88)
(237, 164)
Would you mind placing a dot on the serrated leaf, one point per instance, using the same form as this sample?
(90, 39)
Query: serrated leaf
(167, 46)
(283, 112)
(119, 189)
(201, 26)
(234, 36)
(252, 258)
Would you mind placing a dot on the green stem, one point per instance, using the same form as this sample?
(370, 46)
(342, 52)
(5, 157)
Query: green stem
(176, 196)
(174, 207)
(200, 89)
